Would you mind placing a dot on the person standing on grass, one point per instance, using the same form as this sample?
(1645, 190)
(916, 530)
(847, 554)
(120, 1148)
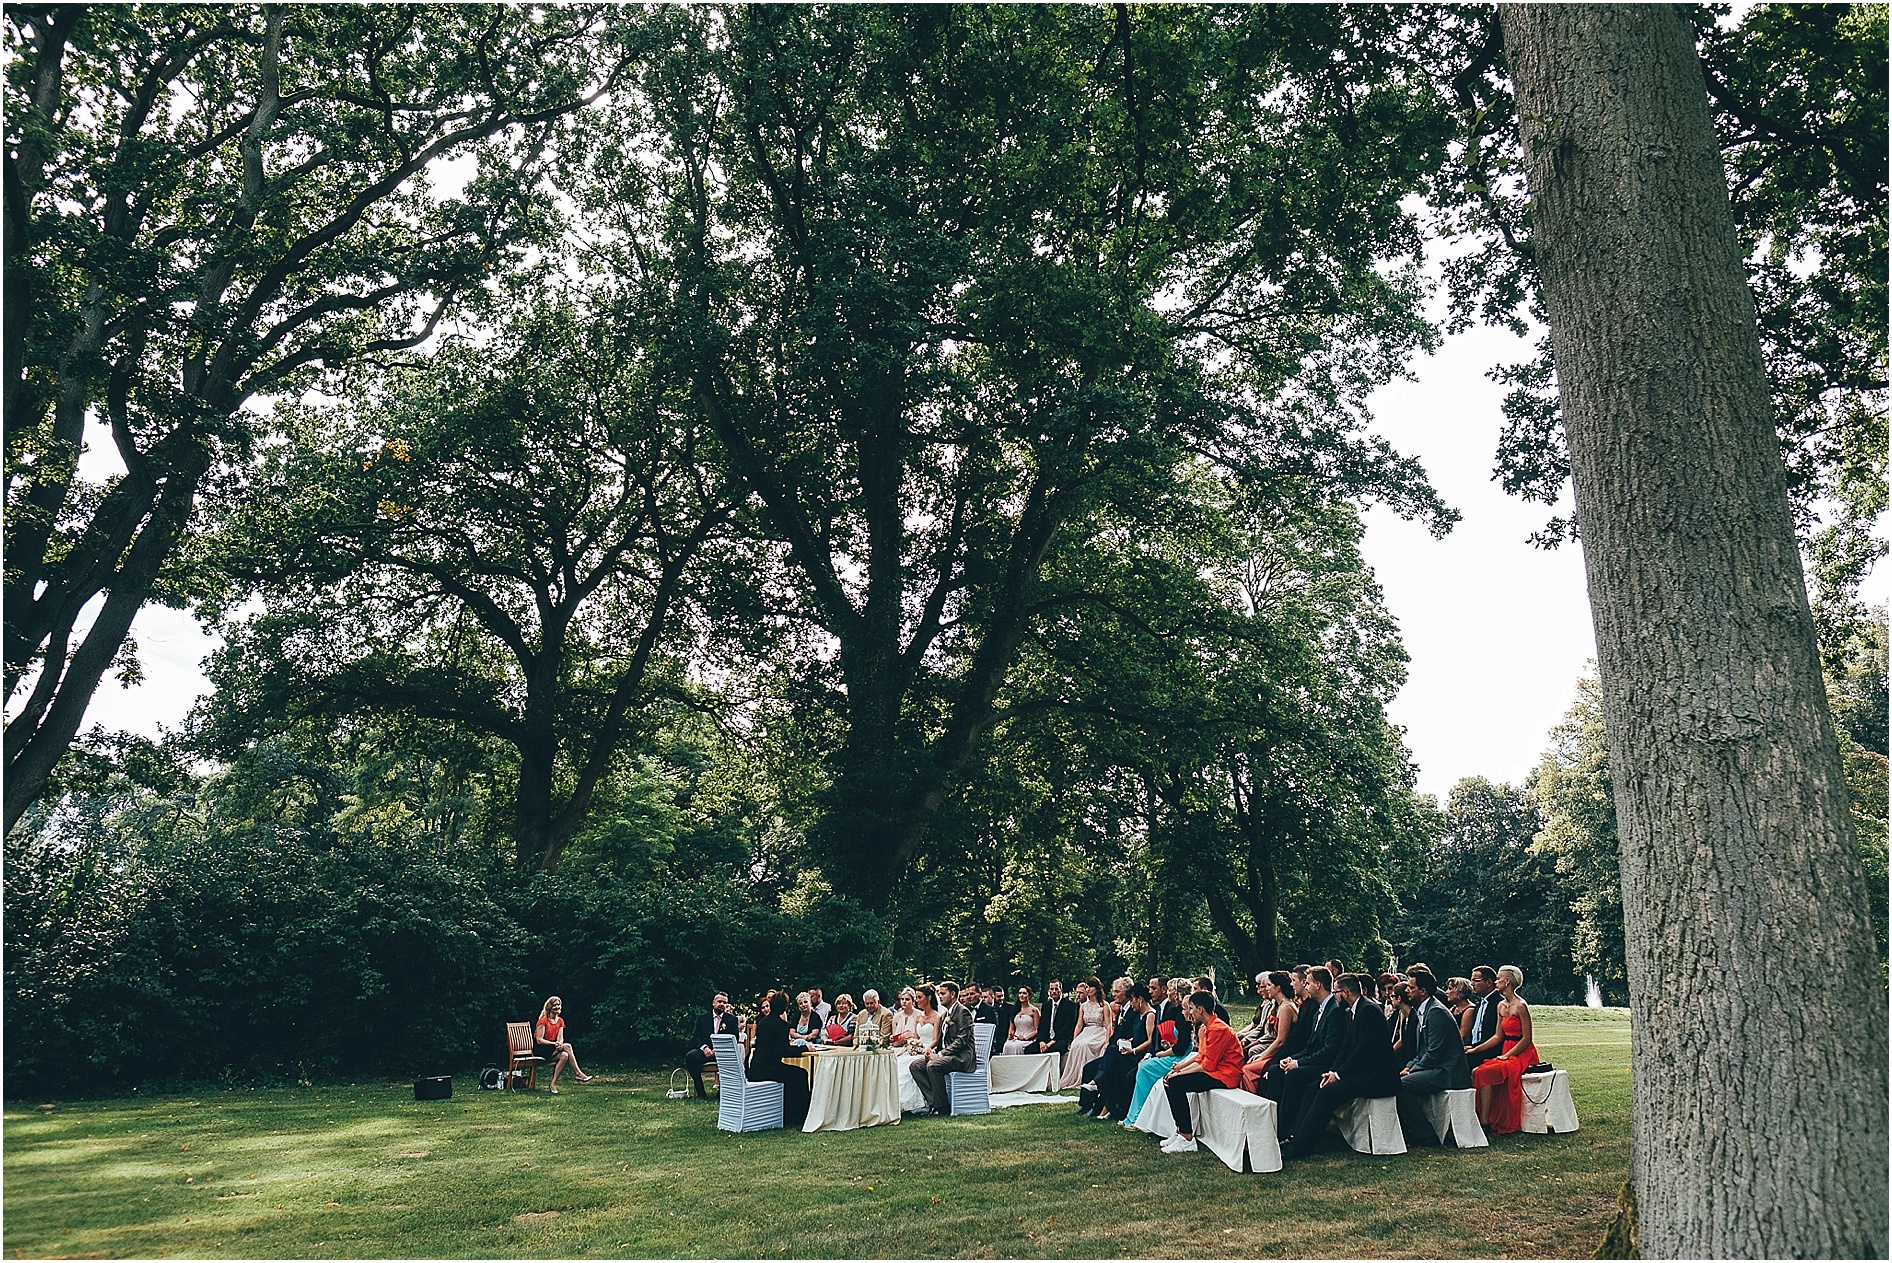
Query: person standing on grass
(548, 1038)
(1215, 1063)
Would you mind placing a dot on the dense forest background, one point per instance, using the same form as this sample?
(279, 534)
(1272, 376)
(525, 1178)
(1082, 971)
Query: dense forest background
(801, 497)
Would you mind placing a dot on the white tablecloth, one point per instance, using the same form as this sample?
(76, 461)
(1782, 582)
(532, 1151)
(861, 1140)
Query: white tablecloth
(1231, 1124)
(853, 1089)
(1547, 1103)
(1032, 1072)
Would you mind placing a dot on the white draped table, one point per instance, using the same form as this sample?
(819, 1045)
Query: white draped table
(853, 1089)
(1028, 1072)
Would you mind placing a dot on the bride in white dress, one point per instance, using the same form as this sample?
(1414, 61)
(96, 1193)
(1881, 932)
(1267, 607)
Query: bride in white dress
(1024, 1028)
(923, 1039)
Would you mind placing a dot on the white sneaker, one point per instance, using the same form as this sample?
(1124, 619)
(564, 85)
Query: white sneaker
(1178, 1144)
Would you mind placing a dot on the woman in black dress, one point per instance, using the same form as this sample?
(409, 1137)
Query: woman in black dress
(765, 1063)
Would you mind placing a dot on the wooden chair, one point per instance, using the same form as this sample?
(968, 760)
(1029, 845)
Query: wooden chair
(519, 1054)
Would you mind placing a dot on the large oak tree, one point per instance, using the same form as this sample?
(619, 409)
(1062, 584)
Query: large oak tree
(1760, 1128)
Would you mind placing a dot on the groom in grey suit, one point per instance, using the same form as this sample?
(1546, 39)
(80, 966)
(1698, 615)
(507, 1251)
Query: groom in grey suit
(954, 1055)
(1439, 1065)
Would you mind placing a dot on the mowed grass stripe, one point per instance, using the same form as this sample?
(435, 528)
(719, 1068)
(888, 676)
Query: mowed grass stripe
(614, 1169)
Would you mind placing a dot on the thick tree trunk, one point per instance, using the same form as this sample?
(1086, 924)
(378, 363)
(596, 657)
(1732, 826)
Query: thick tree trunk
(1760, 1124)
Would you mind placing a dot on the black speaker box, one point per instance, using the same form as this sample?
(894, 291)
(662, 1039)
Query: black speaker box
(437, 1088)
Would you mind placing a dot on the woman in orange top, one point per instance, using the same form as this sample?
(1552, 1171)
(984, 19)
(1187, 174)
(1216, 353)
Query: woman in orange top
(548, 1039)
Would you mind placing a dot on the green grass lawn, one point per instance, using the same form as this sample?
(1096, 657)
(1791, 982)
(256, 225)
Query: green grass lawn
(614, 1169)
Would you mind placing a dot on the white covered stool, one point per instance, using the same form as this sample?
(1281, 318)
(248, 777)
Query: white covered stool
(1237, 1127)
(1454, 1117)
(1370, 1124)
(1547, 1103)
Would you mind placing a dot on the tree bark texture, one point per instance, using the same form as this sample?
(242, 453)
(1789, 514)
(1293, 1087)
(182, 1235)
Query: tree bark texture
(1759, 1041)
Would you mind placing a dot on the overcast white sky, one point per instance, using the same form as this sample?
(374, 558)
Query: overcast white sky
(1498, 631)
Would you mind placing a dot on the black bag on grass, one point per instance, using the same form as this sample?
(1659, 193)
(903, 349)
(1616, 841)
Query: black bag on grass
(436, 1088)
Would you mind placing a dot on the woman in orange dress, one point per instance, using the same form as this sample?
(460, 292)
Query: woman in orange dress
(1500, 1081)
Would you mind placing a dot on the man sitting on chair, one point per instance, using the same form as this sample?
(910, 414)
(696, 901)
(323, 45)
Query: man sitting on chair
(718, 1021)
(955, 1054)
(1057, 1022)
(1367, 1070)
(1438, 1062)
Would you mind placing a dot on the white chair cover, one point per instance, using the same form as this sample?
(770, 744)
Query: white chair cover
(1370, 1124)
(1454, 1117)
(743, 1105)
(1547, 1103)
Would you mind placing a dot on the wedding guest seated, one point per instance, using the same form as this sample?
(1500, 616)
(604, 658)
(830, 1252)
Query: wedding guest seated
(765, 1062)
(548, 1041)
(1366, 1070)
(1459, 999)
(1216, 1062)
(1114, 1088)
(1255, 1035)
(1285, 1034)
(1500, 1079)
(1438, 1061)
(806, 1031)
(1024, 1026)
(1175, 1037)
(1485, 1039)
(956, 1053)
(1208, 984)
(718, 1021)
(1290, 1080)
(1118, 1017)
(1399, 1022)
(840, 1028)
(1090, 1036)
(876, 1014)
(1058, 1022)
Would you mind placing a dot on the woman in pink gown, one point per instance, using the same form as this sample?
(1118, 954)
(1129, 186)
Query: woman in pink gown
(1093, 1033)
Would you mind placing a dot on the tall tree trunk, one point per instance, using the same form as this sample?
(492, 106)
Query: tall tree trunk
(1760, 1127)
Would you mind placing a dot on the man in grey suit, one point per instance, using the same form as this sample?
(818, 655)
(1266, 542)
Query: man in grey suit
(955, 1053)
(1438, 1065)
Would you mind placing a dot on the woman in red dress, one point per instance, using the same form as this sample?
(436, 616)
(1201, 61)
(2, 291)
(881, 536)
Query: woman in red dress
(1500, 1081)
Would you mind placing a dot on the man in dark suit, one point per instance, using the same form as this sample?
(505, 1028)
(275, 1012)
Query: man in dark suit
(955, 1052)
(1288, 1083)
(1438, 1062)
(1485, 1035)
(1057, 1020)
(1367, 1070)
(718, 1021)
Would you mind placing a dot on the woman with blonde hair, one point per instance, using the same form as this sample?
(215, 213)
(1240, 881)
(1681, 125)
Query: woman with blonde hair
(548, 1041)
(1500, 1080)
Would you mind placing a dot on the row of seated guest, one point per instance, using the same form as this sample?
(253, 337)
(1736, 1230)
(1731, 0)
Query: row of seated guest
(1316, 1044)
(1144, 1020)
